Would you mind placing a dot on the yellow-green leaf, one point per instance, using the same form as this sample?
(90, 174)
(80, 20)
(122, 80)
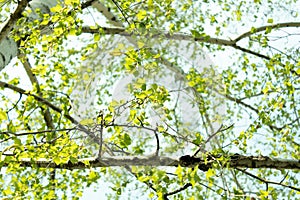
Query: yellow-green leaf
(96, 37)
(3, 115)
(264, 193)
(72, 2)
(87, 122)
(140, 44)
(92, 175)
(57, 160)
(141, 15)
(265, 90)
(210, 173)
(56, 8)
(270, 20)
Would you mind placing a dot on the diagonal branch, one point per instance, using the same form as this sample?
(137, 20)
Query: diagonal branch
(264, 28)
(34, 81)
(53, 107)
(13, 19)
(165, 196)
(267, 181)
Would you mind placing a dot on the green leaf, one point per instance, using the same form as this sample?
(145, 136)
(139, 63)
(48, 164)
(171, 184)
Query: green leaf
(127, 139)
(57, 160)
(141, 14)
(56, 9)
(195, 33)
(3, 115)
(179, 171)
(87, 122)
(263, 193)
(96, 37)
(72, 2)
(7, 191)
(210, 172)
(93, 175)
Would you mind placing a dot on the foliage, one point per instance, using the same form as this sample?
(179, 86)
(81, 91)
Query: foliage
(136, 80)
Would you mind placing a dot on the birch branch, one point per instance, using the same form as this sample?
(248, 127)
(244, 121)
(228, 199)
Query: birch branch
(122, 161)
(187, 37)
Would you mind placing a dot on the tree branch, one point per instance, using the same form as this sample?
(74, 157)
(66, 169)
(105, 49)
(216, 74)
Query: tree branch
(264, 28)
(13, 19)
(87, 4)
(237, 160)
(34, 81)
(53, 107)
(267, 181)
(206, 39)
(157, 144)
(38, 132)
(32, 133)
(165, 196)
(122, 161)
(177, 36)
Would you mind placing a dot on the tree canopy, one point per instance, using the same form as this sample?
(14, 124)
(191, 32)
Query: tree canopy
(171, 99)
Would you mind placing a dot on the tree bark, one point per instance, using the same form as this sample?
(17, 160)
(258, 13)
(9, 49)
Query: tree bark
(121, 161)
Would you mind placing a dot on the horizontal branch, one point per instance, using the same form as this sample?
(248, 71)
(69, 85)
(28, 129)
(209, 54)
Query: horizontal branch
(36, 132)
(175, 36)
(181, 36)
(238, 160)
(184, 161)
(205, 38)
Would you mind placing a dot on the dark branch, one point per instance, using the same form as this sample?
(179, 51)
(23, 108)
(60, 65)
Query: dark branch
(38, 132)
(157, 143)
(87, 4)
(237, 160)
(177, 191)
(53, 107)
(13, 19)
(267, 181)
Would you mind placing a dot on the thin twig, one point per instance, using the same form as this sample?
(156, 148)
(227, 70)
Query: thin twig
(15, 105)
(157, 143)
(165, 196)
(221, 129)
(264, 28)
(267, 181)
(38, 132)
(101, 133)
(121, 10)
(50, 105)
